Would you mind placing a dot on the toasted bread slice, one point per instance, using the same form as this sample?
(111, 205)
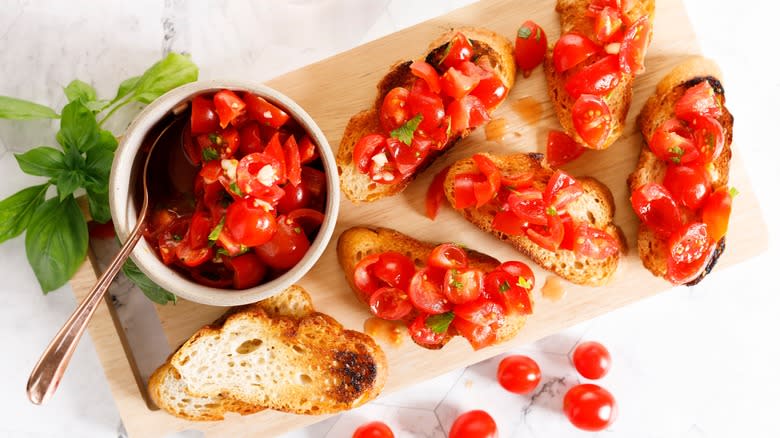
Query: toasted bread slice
(308, 365)
(574, 18)
(359, 187)
(596, 206)
(658, 109)
(168, 389)
(357, 242)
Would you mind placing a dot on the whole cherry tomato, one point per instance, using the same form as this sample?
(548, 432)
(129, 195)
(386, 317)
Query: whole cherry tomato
(590, 407)
(474, 424)
(592, 360)
(374, 429)
(519, 374)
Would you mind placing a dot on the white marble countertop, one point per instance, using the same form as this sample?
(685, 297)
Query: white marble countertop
(694, 362)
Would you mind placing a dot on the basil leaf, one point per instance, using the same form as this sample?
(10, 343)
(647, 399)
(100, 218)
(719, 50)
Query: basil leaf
(42, 161)
(78, 128)
(17, 109)
(405, 132)
(67, 183)
(147, 286)
(98, 205)
(97, 106)
(56, 242)
(439, 323)
(126, 87)
(169, 73)
(80, 90)
(97, 167)
(17, 210)
(214, 234)
(107, 140)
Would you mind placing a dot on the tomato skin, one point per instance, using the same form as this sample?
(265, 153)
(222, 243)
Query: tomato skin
(598, 78)
(481, 311)
(673, 142)
(394, 111)
(502, 288)
(572, 49)
(517, 270)
(250, 140)
(426, 72)
(681, 272)
(365, 149)
(527, 205)
(592, 120)
(688, 185)
(251, 174)
(592, 360)
(590, 407)
(448, 256)
(593, 242)
(250, 225)
(462, 286)
(485, 191)
(709, 138)
(608, 24)
(459, 49)
(363, 276)
(464, 189)
(264, 111)
(287, 246)
(394, 269)
(656, 208)
(295, 197)
(212, 275)
(307, 150)
(561, 190)
(518, 374)
(248, 270)
(200, 227)
(389, 303)
(634, 46)
(435, 194)
(715, 213)
(478, 336)
(374, 429)
(551, 238)
(228, 107)
(699, 100)
(426, 103)
(690, 243)
(203, 117)
(530, 47)
(456, 84)
(192, 257)
(561, 148)
(474, 424)
(422, 334)
(490, 91)
(425, 292)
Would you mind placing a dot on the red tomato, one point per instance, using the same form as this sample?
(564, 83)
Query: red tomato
(480, 311)
(519, 270)
(250, 225)
(550, 237)
(690, 243)
(203, 118)
(517, 181)
(292, 160)
(485, 191)
(365, 149)
(474, 424)
(448, 256)
(463, 285)
(634, 46)
(716, 211)
(435, 194)
(364, 278)
(681, 272)
(656, 208)
(169, 239)
(592, 360)
(309, 219)
(527, 205)
(422, 334)
(191, 257)
(490, 91)
(466, 113)
(458, 50)
(200, 227)
(502, 287)
(374, 429)
(228, 107)
(562, 189)
(394, 111)
(389, 303)
(590, 407)
(518, 374)
(295, 197)
(593, 242)
(688, 185)
(673, 142)
(212, 275)
(426, 72)
(307, 150)
(248, 270)
(274, 150)
(405, 157)
(479, 336)
(425, 292)
(572, 49)
(709, 138)
(395, 269)
(222, 144)
(314, 181)
(422, 101)
(699, 100)
(598, 78)
(257, 173)
(530, 47)
(607, 24)
(561, 148)
(592, 120)
(508, 223)
(264, 112)
(287, 246)
(456, 84)
(464, 189)
(250, 140)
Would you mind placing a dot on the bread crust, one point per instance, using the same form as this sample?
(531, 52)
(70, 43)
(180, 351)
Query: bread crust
(359, 187)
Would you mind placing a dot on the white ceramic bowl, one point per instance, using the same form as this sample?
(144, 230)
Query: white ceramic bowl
(125, 213)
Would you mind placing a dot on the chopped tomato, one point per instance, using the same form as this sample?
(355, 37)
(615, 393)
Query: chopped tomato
(490, 91)
(456, 84)
(561, 148)
(169, 239)
(435, 194)
(191, 257)
(389, 303)
(479, 336)
(295, 197)
(699, 100)
(248, 270)
(549, 237)
(464, 189)
(287, 246)
(309, 219)
(634, 46)
(292, 160)
(394, 111)
(422, 334)
(203, 117)
(519, 270)
(480, 311)
(249, 225)
(592, 120)
(212, 275)
(517, 181)
(425, 291)
(594, 243)
(561, 190)
(468, 112)
(458, 50)
(709, 138)
(572, 49)
(250, 140)
(228, 107)
(314, 181)
(274, 150)
(673, 142)
(307, 150)
(608, 24)
(484, 191)
(405, 157)
(598, 78)
(502, 287)
(657, 209)
(422, 101)
(364, 277)
(426, 72)
(448, 256)
(211, 171)
(366, 149)
(394, 269)
(463, 285)
(690, 243)
(688, 185)
(508, 223)
(528, 206)
(257, 173)
(200, 227)
(716, 211)
(530, 47)
(264, 111)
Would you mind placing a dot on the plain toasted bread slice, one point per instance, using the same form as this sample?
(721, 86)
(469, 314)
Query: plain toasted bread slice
(168, 389)
(573, 17)
(358, 242)
(658, 109)
(596, 206)
(359, 187)
(308, 365)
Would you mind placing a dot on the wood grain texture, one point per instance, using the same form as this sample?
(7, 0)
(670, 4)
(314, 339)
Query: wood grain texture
(331, 103)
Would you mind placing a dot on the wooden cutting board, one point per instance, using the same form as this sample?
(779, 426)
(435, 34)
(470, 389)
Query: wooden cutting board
(333, 90)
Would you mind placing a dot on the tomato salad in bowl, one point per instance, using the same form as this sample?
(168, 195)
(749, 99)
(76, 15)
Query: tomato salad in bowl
(241, 193)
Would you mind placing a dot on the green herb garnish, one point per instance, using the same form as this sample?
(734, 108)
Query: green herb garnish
(733, 192)
(214, 234)
(524, 32)
(454, 280)
(551, 211)
(405, 132)
(235, 189)
(209, 154)
(439, 323)
(522, 282)
(503, 287)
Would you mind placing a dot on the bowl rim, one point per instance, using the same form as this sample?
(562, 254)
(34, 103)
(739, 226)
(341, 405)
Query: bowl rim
(124, 213)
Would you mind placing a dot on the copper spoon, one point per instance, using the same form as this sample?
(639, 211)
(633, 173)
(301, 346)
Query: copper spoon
(46, 375)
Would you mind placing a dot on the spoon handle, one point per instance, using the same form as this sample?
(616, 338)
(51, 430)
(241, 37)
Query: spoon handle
(51, 366)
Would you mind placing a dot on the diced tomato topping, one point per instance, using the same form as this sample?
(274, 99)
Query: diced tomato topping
(463, 285)
(464, 189)
(448, 256)
(549, 237)
(426, 72)
(264, 111)
(479, 336)
(598, 78)
(572, 49)
(657, 209)
(456, 84)
(292, 160)
(592, 120)
(228, 106)
(366, 149)
(307, 150)
(394, 111)
(561, 190)
(425, 291)
(608, 24)
(561, 148)
(250, 140)
(390, 303)
(248, 270)
(203, 117)
(435, 194)
(594, 243)
(716, 211)
(699, 100)
(459, 49)
(422, 334)
(673, 142)
(528, 206)
(709, 138)
(634, 46)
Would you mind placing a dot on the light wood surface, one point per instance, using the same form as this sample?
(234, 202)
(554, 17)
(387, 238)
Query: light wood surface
(334, 89)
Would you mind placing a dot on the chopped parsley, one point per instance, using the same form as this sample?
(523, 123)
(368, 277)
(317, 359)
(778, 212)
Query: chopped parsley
(439, 323)
(177, 238)
(524, 32)
(215, 139)
(209, 154)
(214, 234)
(405, 132)
(223, 251)
(454, 280)
(551, 211)
(522, 282)
(235, 189)
(733, 192)
(677, 153)
(505, 286)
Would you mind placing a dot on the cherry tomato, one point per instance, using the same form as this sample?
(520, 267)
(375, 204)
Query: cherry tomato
(517, 180)
(314, 181)
(716, 211)
(458, 50)
(463, 285)
(366, 149)
(681, 272)
(709, 138)
(395, 269)
(425, 291)
(474, 424)
(250, 140)
(249, 224)
(530, 47)
(374, 429)
(435, 194)
(456, 84)
(592, 120)
(572, 49)
(656, 208)
(394, 111)
(264, 111)
(490, 91)
(673, 142)
(562, 189)
(480, 311)
(549, 237)
(258, 172)
(248, 270)
(287, 246)
(634, 46)
(203, 118)
(507, 222)
(592, 242)
(690, 243)
(464, 189)
(448, 256)
(518, 374)
(308, 219)
(598, 78)
(519, 270)
(561, 148)
(478, 336)
(485, 191)
(228, 107)
(222, 144)
(307, 150)
(590, 407)
(608, 24)
(192, 257)
(274, 150)
(422, 101)
(363, 277)
(528, 205)
(229, 243)
(405, 157)
(200, 227)
(295, 197)
(422, 334)
(699, 100)
(426, 72)
(169, 239)
(688, 185)
(592, 360)
(503, 288)
(466, 113)
(212, 275)
(389, 303)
